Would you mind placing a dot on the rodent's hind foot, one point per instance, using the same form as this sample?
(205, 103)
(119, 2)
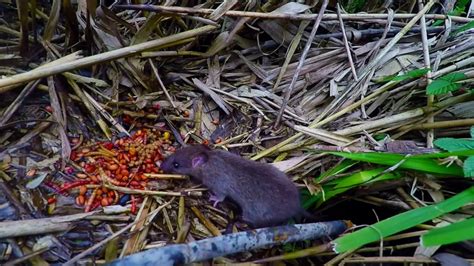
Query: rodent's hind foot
(240, 226)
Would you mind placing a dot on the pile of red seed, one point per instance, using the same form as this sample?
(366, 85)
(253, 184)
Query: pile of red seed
(122, 163)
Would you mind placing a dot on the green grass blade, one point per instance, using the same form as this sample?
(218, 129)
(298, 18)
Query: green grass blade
(416, 73)
(452, 233)
(338, 169)
(341, 185)
(310, 200)
(363, 177)
(401, 222)
(468, 167)
(445, 154)
(426, 165)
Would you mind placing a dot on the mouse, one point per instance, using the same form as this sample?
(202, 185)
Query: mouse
(265, 195)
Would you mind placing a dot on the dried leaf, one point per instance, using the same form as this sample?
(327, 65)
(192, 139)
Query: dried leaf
(53, 20)
(217, 99)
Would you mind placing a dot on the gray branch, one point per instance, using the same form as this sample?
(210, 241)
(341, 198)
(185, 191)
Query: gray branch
(232, 243)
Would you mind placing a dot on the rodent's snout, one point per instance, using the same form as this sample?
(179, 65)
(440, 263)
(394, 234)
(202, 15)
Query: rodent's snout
(166, 165)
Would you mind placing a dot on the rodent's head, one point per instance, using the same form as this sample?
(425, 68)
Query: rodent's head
(186, 161)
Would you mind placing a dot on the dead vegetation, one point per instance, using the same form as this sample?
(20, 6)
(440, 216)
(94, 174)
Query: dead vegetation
(93, 96)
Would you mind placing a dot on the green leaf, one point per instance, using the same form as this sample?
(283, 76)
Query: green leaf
(416, 73)
(380, 136)
(426, 165)
(452, 233)
(472, 132)
(468, 167)
(401, 222)
(445, 154)
(452, 144)
(360, 178)
(341, 185)
(457, 11)
(338, 169)
(310, 200)
(354, 6)
(438, 22)
(464, 27)
(445, 83)
(460, 7)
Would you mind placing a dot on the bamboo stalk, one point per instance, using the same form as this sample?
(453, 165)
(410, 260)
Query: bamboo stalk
(441, 124)
(99, 58)
(403, 116)
(39, 226)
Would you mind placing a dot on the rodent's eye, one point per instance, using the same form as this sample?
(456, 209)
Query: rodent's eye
(176, 165)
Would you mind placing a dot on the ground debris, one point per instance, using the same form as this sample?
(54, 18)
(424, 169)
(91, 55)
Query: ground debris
(95, 97)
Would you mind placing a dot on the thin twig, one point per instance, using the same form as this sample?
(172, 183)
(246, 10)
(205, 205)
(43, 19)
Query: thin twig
(177, 10)
(427, 63)
(309, 42)
(152, 192)
(440, 124)
(346, 43)
(157, 75)
(114, 235)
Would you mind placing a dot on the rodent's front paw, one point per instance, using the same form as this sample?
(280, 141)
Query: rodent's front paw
(216, 199)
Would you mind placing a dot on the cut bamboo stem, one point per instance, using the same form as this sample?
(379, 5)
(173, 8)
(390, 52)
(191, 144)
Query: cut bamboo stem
(53, 69)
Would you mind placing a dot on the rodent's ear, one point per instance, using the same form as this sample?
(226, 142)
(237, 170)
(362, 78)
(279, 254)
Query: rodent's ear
(199, 159)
